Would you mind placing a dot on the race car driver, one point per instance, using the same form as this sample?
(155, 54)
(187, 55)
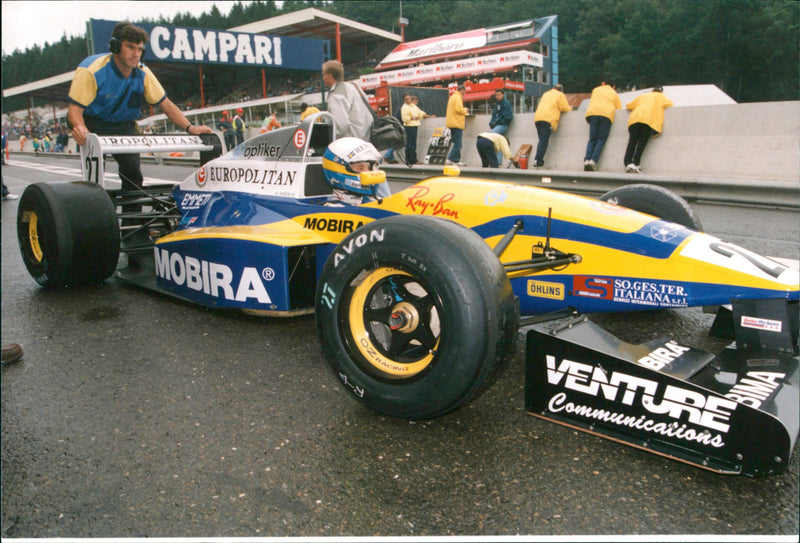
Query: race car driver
(343, 162)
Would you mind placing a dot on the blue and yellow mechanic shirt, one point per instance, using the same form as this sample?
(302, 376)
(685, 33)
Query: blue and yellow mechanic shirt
(100, 88)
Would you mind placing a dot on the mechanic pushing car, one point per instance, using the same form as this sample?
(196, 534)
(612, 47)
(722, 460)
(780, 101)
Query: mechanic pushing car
(343, 163)
(108, 91)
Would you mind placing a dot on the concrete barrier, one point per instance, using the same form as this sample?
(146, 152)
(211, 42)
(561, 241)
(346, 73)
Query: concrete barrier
(758, 141)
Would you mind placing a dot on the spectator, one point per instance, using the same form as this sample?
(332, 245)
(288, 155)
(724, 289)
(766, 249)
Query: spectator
(6, 193)
(411, 115)
(546, 118)
(456, 120)
(347, 103)
(600, 114)
(226, 127)
(62, 142)
(270, 124)
(106, 94)
(238, 126)
(646, 119)
(502, 114)
(306, 110)
(490, 145)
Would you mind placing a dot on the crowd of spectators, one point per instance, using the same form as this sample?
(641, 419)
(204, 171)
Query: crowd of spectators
(249, 91)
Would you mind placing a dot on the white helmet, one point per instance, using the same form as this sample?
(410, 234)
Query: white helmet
(337, 160)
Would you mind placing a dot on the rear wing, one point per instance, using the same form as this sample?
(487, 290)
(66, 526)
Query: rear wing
(93, 169)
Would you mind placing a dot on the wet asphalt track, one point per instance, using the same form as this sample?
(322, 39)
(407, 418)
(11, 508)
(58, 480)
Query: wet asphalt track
(133, 414)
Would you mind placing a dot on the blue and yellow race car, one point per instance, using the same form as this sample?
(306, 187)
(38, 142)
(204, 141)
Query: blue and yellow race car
(419, 295)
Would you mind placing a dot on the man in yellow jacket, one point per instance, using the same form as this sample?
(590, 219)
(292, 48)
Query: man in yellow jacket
(551, 105)
(646, 119)
(456, 120)
(600, 114)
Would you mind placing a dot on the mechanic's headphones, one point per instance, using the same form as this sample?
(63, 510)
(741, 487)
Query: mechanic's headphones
(115, 45)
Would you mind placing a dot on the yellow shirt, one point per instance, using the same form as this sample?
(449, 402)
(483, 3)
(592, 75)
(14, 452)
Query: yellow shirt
(551, 105)
(411, 114)
(604, 102)
(310, 110)
(649, 109)
(500, 143)
(456, 112)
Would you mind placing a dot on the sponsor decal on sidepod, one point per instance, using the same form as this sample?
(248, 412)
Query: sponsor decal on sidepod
(211, 278)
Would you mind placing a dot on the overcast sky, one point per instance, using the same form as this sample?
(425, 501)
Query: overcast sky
(29, 23)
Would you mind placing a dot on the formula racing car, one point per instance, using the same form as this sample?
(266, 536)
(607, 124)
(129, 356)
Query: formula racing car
(419, 295)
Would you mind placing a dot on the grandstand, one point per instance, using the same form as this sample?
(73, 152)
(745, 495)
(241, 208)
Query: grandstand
(203, 89)
(521, 58)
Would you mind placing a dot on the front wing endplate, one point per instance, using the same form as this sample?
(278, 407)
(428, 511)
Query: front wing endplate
(735, 413)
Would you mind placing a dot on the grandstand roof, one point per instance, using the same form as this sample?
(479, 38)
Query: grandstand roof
(306, 23)
(315, 23)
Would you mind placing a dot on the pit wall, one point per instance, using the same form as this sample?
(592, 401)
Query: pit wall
(759, 141)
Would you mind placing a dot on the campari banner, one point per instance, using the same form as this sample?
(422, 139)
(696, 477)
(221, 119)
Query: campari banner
(209, 46)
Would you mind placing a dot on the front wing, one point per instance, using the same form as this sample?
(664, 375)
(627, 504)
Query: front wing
(735, 413)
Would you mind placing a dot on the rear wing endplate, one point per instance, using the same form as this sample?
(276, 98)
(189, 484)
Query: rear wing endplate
(92, 167)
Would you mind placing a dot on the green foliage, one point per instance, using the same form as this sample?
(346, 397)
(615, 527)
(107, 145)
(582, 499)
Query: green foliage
(749, 48)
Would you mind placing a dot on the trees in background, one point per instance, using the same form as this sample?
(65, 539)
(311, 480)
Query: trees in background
(748, 48)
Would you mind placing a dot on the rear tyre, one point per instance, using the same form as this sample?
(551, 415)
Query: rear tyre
(656, 201)
(415, 315)
(68, 233)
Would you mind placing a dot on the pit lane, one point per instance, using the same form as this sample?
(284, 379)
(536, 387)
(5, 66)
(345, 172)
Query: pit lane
(133, 414)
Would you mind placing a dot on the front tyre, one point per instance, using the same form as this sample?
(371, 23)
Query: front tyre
(68, 233)
(415, 315)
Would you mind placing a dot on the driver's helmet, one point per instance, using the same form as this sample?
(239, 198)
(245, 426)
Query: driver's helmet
(337, 160)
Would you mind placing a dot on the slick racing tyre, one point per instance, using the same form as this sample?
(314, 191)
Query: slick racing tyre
(415, 315)
(68, 233)
(656, 201)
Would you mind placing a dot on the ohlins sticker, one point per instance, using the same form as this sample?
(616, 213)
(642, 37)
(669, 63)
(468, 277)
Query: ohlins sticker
(224, 174)
(630, 291)
(211, 278)
(546, 289)
(709, 416)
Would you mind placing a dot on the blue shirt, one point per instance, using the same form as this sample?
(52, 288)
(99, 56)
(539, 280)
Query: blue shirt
(101, 89)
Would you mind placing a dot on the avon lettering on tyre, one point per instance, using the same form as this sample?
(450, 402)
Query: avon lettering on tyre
(415, 315)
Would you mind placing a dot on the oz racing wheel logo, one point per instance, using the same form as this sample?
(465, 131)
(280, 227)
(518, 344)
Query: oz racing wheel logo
(201, 176)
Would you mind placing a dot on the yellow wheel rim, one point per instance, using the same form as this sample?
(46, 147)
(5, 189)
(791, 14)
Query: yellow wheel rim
(33, 236)
(394, 333)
